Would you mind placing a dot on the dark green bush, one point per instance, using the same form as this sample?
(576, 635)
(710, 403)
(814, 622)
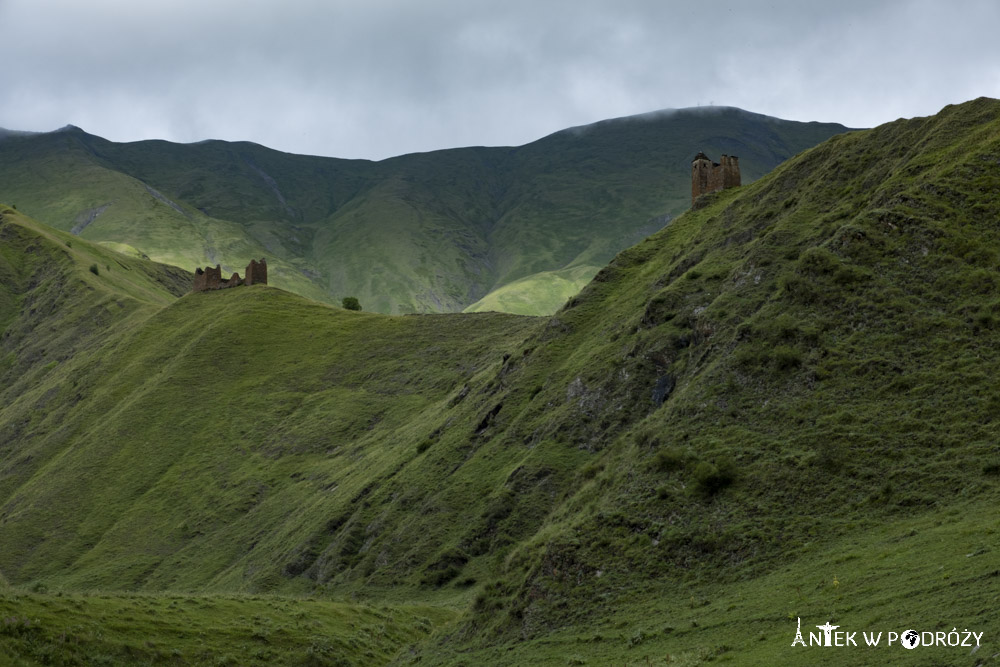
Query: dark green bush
(93, 269)
(646, 437)
(786, 357)
(786, 327)
(711, 478)
(818, 261)
(351, 303)
(800, 289)
(439, 578)
(668, 459)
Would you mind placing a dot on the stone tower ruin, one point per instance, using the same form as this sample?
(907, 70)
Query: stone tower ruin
(210, 279)
(708, 176)
(256, 273)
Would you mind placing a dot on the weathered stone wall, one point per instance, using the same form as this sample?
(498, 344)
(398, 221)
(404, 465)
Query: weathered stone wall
(708, 176)
(209, 278)
(257, 272)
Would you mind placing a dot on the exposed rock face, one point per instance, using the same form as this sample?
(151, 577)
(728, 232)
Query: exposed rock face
(708, 176)
(209, 278)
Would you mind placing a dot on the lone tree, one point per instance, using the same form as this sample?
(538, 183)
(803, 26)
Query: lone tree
(351, 303)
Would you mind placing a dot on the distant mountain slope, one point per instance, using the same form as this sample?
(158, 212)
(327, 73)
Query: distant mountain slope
(783, 405)
(430, 232)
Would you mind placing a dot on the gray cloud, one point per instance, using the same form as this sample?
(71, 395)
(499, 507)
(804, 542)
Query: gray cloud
(385, 77)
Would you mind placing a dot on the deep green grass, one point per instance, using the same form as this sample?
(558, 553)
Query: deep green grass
(256, 393)
(934, 572)
(432, 232)
(108, 629)
(790, 387)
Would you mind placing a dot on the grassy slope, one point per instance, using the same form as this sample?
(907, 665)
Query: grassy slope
(542, 292)
(427, 232)
(256, 393)
(106, 203)
(828, 333)
(104, 376)
(826, 447)
(212, 630)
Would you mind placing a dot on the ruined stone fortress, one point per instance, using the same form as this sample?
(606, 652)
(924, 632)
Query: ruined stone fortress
(708, 176)
(209, 278)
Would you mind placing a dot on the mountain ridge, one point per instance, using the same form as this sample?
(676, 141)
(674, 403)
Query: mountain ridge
(435, 231)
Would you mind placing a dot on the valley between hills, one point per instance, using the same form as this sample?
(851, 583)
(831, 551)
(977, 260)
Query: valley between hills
(513, 229)
(781, 405)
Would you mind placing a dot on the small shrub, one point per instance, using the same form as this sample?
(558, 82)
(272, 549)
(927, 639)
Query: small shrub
(668, 459)
(647, 438)
(786, 357)
(751, 356)
(985, 319)
(846, 275)
(830, 457)
(678, 340)
(424, 445)
(639, 637)
(439, 578)
(351, 303)
(801, 289)
(711, 478)
(93, 269)
(745, 331)
(489, 599)
(818, 261)
(786, 327)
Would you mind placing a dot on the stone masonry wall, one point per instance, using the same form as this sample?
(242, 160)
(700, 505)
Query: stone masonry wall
(211, 278)
(708, 176)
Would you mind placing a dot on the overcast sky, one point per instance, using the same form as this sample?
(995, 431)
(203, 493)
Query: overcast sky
(376, 78)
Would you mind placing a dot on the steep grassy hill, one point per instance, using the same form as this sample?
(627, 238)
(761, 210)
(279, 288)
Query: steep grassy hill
(432, 232)
(783, 405)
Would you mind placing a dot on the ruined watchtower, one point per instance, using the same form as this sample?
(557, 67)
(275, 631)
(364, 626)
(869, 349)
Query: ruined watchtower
(209, 278)
(708, 176)
(256, 272)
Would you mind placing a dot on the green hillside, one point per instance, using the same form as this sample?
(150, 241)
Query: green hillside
(783, 405)
(431, 232)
